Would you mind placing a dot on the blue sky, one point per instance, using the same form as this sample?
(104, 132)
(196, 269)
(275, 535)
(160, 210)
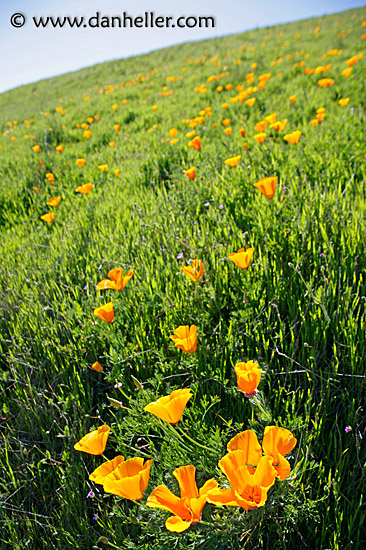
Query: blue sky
(29, 54)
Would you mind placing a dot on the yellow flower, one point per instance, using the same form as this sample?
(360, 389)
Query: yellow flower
(326, 82)
(248, 377)
(112, 144)
(48, 217)
(228, 131)
(173, 132)
(80, 162)
(94, 442)
(170, 408)
(292, 98)
(87, 134)
(185, 338)
(129, 479)
(194, 271)
(343, 102)
(103, 167)
(293, 138)
(188, 508)
(105, 313)
(59, 149)
(260, 138)
(36, 148)
(84, 189)
(54, 201)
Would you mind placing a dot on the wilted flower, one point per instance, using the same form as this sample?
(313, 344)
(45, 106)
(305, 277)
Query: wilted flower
(185, 338)
(188, 508)
(94, 442)
(194, 271)
(170, 408)
(117, 280)
(242, 258)
(105, 313)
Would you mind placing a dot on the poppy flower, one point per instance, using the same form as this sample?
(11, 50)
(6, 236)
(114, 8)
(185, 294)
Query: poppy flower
(84, 189)
(97, 366)
(352, 61)
(114, 106)
(233, 161)
(105, 313)
(36, 148)
(326, 82)
(170, 408)
(260, 138)
(94, 442)
(242, 132)
(112, 144)
(188, 508)
(125, 478)
(248, 377)
(292, 98)
(242, 258)
(185, 338)
(54, 201)
(293, 138)
(271, 118)
(50, 177)
(260, 126)
(343, 102)
(226, 122)
(117, 280)
(247, 490)
(36, 190)
(173, 132)
(103, 167)
(117, 127)
(80, 162)
(228, 131)
(267, 186)
(174, 141)
(279, 125)
(117, 172)
(48, 217)
(195, 143)
(60, 149)
(87, 134)
(277, 443)
(314, 122)
(347, 72)
(191, 134)
(194, 271)
(190, 173)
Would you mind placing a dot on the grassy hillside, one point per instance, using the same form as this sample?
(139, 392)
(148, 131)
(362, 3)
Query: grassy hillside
(297, 309)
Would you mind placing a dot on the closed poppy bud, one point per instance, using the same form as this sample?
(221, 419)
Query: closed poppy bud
(84, 189)
(36, 190)
(36, 148)
(105, 313)
(245, 146)
(170, 408)
(242, 132)
(242, 258)
(190, 173)
(80, 162)
(185, 338)
(248, 377)
(94, 442)
(97, 366)
(233, 161)
(267, 186)
(48, 217)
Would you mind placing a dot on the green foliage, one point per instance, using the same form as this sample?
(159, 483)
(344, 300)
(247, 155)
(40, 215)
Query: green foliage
(298, 310)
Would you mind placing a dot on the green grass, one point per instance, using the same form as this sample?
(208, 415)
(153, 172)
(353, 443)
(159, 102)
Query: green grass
(299, 310)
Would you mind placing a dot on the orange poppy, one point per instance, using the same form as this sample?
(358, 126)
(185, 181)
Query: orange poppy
(36, 148)
(97, 366)
(250, 102)
(94, 442)
(226, 122)
(194, 271)
(267, 186)
(112, 144)
(87, 134)
(54, 201)
(117, 172)
(343, 102)
(170, 408)
(347, 72)
(228, 131)
(233, 161)
(114, 106)
(279, 125)
(188, 508)
(60, 149)
(185, 338)
(248, 377)
(105, 313)
(50, 177)
(242, 132)
(195, 143)
(117, 280)
(173, 132)
(84, 189)
(293, 138)
(174, 141)
(314, 122)
(117, 127)
(326, 82)
(247, 490)
(242, 258)
(36, 190)
(103, 167)
(260, 138)
(260, 126)
(48, 217)
(271, 118)
(292, 98)
(125, 478)
(191, 134)
(190, 173)
(80, 162)
(277, 443)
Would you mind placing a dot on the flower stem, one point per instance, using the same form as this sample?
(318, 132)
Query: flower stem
(265, 413)
(196, 442)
